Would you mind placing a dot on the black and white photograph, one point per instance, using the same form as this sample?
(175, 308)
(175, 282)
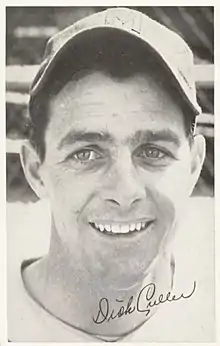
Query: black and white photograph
(110, 182)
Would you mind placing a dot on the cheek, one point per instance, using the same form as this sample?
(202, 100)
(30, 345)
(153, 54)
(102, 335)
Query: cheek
(169, 192)
(174, 185)
(69, 192)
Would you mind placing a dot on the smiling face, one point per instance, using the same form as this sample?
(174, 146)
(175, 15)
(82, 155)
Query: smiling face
(117, 171)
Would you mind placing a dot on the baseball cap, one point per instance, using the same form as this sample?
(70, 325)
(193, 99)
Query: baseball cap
(170, 49)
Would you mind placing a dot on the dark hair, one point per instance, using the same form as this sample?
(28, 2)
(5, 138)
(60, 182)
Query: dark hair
(117, 55)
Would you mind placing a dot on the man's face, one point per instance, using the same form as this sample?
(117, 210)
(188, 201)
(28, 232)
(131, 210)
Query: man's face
(117, 171)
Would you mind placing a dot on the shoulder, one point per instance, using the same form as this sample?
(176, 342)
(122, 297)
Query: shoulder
(27, 237)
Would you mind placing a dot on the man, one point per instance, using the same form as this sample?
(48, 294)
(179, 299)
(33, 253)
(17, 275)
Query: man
(113, 149)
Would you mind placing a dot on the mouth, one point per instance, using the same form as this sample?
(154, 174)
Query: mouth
(121, 228)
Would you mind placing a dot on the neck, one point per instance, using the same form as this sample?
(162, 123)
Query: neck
(98, 307)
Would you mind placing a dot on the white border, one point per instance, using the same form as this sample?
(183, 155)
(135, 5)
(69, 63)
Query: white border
(2, 189)
(3, 293)
(217, 173)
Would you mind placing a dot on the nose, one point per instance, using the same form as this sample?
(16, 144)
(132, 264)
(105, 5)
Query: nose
(124, 187)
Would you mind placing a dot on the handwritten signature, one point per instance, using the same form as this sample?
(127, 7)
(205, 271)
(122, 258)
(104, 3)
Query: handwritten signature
(106, 314)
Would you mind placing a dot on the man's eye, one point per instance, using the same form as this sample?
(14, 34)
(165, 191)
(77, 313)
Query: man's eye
(152, 153)
(86, 155)
(154, 156)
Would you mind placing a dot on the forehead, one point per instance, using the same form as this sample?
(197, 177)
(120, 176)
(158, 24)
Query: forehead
(98, 102)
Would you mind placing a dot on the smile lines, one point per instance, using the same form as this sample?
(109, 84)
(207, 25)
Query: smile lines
(120, 229)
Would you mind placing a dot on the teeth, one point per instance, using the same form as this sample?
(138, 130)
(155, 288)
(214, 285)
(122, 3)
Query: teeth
(120, 229)
(124, 228)
(143, 224)
(115, 228)
(101, 227)
(132, 227)
(108, 228)
(138, 226)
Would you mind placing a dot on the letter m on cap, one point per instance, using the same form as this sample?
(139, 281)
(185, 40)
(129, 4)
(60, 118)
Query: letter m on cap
(124, 19)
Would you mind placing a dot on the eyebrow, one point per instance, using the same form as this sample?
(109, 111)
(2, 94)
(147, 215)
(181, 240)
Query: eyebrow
(84, 136)
(165, 135)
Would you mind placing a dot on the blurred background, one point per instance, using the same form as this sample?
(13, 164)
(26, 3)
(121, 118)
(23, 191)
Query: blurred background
(29, 28)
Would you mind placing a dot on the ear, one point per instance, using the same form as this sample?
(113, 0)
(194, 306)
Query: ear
(198, 152)
(31, 164)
